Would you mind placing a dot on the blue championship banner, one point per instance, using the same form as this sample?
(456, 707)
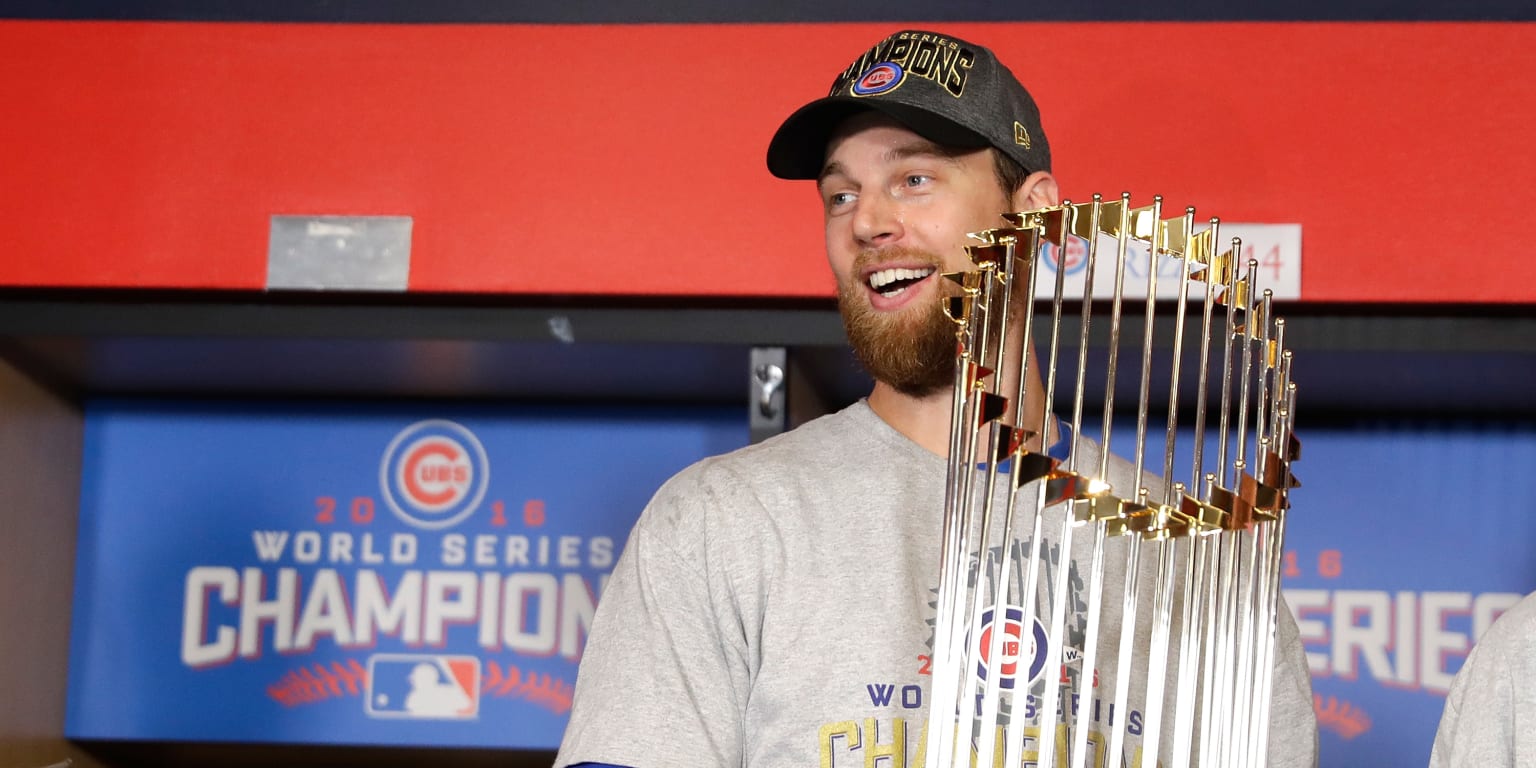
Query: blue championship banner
(1406, 540)
(420, 575)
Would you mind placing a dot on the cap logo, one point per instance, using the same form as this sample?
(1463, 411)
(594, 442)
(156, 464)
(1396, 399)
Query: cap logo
(879, 79)
(932, 57)
(1020, 134)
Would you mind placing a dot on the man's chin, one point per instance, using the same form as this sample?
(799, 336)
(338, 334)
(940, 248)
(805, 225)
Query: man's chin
(911, 351)
(903, 322)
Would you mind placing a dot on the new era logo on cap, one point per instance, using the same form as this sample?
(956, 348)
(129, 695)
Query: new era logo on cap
(1020, 134)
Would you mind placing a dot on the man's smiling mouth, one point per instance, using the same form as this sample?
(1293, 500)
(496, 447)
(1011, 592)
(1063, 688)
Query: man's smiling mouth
(891, 282)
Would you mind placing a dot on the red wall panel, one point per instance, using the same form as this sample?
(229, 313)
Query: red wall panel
(627, 159)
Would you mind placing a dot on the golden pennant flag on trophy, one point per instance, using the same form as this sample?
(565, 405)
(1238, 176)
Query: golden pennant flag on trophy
(1095, 610)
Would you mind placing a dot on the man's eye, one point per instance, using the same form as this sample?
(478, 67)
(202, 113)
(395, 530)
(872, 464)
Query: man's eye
(917, 180)
(840, 198)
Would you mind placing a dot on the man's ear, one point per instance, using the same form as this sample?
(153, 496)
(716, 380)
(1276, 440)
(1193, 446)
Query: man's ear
(1038, 190)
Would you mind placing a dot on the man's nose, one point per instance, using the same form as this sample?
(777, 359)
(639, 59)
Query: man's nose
(877, 221)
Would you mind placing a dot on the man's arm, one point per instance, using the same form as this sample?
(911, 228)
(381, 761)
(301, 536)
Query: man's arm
(662, 680)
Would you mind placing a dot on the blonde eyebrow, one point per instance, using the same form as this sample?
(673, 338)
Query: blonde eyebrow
(910, 149)
(921, 147)
(831, 168)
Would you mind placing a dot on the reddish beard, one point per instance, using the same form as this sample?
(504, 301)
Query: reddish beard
(911, 350)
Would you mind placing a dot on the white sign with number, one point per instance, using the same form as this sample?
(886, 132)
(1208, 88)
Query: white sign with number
(1276, 248)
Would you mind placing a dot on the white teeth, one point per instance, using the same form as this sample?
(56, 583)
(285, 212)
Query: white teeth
(885, 277)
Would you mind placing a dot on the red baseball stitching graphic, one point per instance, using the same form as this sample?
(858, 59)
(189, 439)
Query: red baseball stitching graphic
(552, 693)
(307, 685)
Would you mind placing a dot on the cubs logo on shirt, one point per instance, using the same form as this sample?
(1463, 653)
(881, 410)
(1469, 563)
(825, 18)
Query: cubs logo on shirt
(1015, 648)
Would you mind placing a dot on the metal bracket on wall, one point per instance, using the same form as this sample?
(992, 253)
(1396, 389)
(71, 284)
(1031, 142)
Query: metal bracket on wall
(767, 402)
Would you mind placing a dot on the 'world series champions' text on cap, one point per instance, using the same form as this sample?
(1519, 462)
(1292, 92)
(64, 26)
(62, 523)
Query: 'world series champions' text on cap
(947, 90)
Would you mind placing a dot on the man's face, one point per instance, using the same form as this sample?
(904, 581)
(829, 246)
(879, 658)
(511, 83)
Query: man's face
(898, 209)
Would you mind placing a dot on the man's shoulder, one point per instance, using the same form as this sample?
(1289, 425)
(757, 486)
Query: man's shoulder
(753, 477)
(808, 447)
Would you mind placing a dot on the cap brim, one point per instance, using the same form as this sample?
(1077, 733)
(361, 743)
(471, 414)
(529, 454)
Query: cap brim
(799, 148)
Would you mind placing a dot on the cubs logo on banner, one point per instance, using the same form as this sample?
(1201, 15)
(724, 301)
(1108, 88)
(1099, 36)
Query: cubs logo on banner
(261, 573)
(1275, 250)
(434, 474)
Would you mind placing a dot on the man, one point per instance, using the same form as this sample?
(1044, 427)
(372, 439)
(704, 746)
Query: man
(774, 606)
(1492, 701)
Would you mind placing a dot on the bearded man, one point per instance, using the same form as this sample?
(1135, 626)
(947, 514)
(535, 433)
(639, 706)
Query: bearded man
(774, 606)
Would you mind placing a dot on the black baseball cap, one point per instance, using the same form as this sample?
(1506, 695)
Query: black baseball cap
(947, 90)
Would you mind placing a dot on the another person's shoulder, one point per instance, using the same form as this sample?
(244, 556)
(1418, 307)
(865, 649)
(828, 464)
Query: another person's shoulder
(1505, 648)
(1490, 695)
(1518, 624)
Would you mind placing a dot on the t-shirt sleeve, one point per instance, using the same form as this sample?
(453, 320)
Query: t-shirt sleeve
(662, 680)
(1475, 728)
(1292, 718)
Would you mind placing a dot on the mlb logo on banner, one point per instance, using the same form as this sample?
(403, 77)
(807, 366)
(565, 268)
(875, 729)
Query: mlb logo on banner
(423, 686)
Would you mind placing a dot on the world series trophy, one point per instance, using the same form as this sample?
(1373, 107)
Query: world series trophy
(1173, 643)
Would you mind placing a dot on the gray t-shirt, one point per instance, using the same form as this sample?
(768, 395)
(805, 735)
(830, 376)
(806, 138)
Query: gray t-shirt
(1490, 711)
(774, 607)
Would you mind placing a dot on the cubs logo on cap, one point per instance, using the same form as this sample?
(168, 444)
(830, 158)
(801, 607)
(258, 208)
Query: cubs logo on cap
(879, 79)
